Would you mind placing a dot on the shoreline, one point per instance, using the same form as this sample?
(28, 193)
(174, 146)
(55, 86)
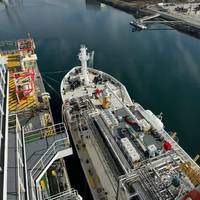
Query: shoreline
(139, 9)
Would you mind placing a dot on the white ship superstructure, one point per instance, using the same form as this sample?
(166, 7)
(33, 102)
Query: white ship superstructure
(124, 149)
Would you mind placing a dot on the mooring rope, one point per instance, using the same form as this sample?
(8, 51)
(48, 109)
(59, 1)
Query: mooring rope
(51, 87)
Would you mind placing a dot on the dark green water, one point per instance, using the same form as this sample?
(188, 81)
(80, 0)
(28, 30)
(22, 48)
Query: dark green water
(161, 69)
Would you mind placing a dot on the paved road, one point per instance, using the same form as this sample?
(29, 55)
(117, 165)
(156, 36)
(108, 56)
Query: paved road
(193, 21)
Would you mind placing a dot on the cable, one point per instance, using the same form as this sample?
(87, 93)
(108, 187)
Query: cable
(49, 85)
(51, 78)
(56, 72)
(160, 29)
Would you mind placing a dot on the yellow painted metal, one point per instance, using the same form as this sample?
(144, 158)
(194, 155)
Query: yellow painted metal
(14, 105)
(13, 61)
(91, 181)
(46, 98)
(42, 184)
(106, 103)
(49, 132)
(97, 179)
(12, 55)
(193, 174)
(53, 172)
(47, 119)
(30, 102)
(169, 167)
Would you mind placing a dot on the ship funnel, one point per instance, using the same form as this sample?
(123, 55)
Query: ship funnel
(84, 57)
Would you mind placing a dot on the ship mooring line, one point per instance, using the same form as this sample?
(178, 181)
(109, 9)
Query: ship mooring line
(160, 29)
(55, 72)
(51, 87)
(51, 78)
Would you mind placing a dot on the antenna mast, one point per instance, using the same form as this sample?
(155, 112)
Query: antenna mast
(84, 57)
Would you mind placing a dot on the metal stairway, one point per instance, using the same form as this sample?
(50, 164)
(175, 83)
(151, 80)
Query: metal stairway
(43, 147)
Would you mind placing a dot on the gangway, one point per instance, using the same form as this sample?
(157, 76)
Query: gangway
(145, 18)
(140, 23)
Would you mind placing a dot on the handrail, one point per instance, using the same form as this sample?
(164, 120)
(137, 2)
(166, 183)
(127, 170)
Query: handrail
(48, 156)
(68, 194)
(56, 126)
(58, 145)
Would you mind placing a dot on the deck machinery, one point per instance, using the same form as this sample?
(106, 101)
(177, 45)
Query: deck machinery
(124, 149)
(32, 147)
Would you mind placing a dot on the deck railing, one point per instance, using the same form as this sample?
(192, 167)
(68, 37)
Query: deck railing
(37, 134)
(66, 195)
(57, 146)
(40, 166)
(49, 156)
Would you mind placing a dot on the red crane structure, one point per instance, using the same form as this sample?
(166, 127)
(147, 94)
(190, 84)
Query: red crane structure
(24, 80)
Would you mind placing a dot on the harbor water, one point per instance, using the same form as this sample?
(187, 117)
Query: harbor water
(159, 67)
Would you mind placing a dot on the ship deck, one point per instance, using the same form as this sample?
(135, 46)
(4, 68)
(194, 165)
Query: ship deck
(14, 105)
(98, 133)
(115, 85)
(33, 114)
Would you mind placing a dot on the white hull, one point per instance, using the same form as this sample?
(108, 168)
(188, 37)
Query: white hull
(114, 135)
